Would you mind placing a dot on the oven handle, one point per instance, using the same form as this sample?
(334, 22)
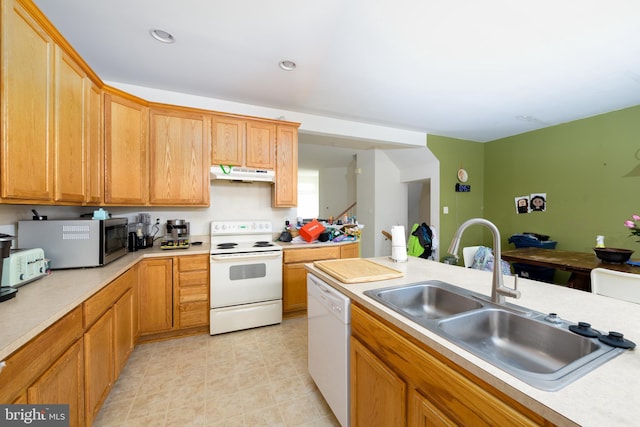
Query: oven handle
(236, 256)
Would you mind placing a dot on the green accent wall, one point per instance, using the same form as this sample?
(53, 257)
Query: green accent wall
(589, 170)
(453, 154)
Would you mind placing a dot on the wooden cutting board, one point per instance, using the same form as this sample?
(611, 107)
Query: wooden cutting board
(357, 270)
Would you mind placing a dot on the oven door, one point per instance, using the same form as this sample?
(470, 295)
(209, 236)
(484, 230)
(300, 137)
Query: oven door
(243, 278)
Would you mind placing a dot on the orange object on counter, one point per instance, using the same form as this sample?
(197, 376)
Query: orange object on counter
(311, 230)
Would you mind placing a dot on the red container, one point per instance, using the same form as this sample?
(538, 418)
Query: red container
(311, 230)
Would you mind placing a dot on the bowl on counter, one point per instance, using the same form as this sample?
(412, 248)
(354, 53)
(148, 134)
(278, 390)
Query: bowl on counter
(613, 255)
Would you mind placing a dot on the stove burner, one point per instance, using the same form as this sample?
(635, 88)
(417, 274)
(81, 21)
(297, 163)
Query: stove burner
(226, 245)
(262, 244)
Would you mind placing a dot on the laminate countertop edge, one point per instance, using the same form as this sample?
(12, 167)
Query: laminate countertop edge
(608, 395)
(41, 303)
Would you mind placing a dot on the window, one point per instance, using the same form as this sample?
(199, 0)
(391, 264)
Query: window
(308, 193)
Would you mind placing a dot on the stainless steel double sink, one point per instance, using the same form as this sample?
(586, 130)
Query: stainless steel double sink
(542, 353)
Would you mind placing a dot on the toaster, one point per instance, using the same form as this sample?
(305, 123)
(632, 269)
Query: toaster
(23, 266)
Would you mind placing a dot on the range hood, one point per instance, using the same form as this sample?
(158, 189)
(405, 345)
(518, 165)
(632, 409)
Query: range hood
(237, 173)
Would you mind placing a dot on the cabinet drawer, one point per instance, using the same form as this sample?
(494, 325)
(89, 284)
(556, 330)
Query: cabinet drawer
(194, 293)
(31, 360)
(193, 278)
(311, 254)
(193, 262)
(100, 302)
(194, 314)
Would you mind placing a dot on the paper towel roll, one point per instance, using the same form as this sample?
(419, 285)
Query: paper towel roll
(397, 236)
(399, 253)
(398, 244)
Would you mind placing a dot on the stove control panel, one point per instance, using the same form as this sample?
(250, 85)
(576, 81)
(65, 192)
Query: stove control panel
(240, 227)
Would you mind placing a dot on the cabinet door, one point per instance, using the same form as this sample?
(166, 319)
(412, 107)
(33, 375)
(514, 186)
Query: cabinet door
(69, 143)
(228, 140)
(285, 192)
(378, 395)
(423, 413)
(179, 157)
(155, 295)
(352, 250)
(123, 330)
(261, 145)
(126, 138)
(94, 146)
(63, 383)
(99, 364)
(294, 287)
(27, 106)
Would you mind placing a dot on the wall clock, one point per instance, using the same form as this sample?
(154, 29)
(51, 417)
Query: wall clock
(463, 176)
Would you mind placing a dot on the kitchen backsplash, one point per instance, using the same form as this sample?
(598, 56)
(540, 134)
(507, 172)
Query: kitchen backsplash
(229, 201)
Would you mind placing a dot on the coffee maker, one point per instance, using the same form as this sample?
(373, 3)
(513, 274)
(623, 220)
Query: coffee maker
(140, 236)
(177, 236)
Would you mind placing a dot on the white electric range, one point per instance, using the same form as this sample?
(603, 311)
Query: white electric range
(246, 276)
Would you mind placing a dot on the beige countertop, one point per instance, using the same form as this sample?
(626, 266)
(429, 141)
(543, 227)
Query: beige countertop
(41, 303)
(608, 395)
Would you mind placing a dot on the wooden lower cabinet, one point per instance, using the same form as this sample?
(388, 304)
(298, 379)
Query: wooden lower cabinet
(99, 364)
(123, 330)
(423, 413)
(192, 291)
(352, 250)
(378, 395)
(108, 339)
(294, 275)
(155, 293)
(77, 360)
(396, 380)
(62, 383)
(173, 296)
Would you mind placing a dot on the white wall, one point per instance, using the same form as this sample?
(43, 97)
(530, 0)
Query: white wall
(337, 191)
(382, 201)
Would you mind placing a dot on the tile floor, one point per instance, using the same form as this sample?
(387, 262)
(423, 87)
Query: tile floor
(256, 377)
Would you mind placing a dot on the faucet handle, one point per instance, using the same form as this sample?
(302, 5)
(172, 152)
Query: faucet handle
(515, 293)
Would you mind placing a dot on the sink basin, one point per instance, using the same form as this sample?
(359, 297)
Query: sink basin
(426, 300)
(545, 355)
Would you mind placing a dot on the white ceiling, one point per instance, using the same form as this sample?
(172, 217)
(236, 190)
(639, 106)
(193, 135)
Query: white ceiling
(477, 70)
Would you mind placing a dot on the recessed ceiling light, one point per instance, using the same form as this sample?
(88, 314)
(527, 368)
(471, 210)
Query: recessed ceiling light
(287, 65)
(162, 36)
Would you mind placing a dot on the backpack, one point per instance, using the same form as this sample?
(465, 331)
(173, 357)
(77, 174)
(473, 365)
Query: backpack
(420, 241)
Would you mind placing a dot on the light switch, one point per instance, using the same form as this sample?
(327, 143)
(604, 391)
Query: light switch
(445, 210)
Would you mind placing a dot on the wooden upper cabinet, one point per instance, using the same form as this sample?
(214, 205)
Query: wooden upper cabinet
(228, 140)
(237, 142)
(285, 192)
(94, 146)
(69, 143)
(126, 139)
(261, 145)
(179, 157)
(27, 107)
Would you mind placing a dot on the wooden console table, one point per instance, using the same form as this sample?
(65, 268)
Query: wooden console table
(579, 264)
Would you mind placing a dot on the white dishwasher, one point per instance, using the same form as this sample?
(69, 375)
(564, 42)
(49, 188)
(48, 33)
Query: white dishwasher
(329, 318)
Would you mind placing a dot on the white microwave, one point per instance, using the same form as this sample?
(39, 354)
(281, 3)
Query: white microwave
(74, 243)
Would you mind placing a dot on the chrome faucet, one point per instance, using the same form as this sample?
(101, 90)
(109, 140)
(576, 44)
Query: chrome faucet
(498, 290)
